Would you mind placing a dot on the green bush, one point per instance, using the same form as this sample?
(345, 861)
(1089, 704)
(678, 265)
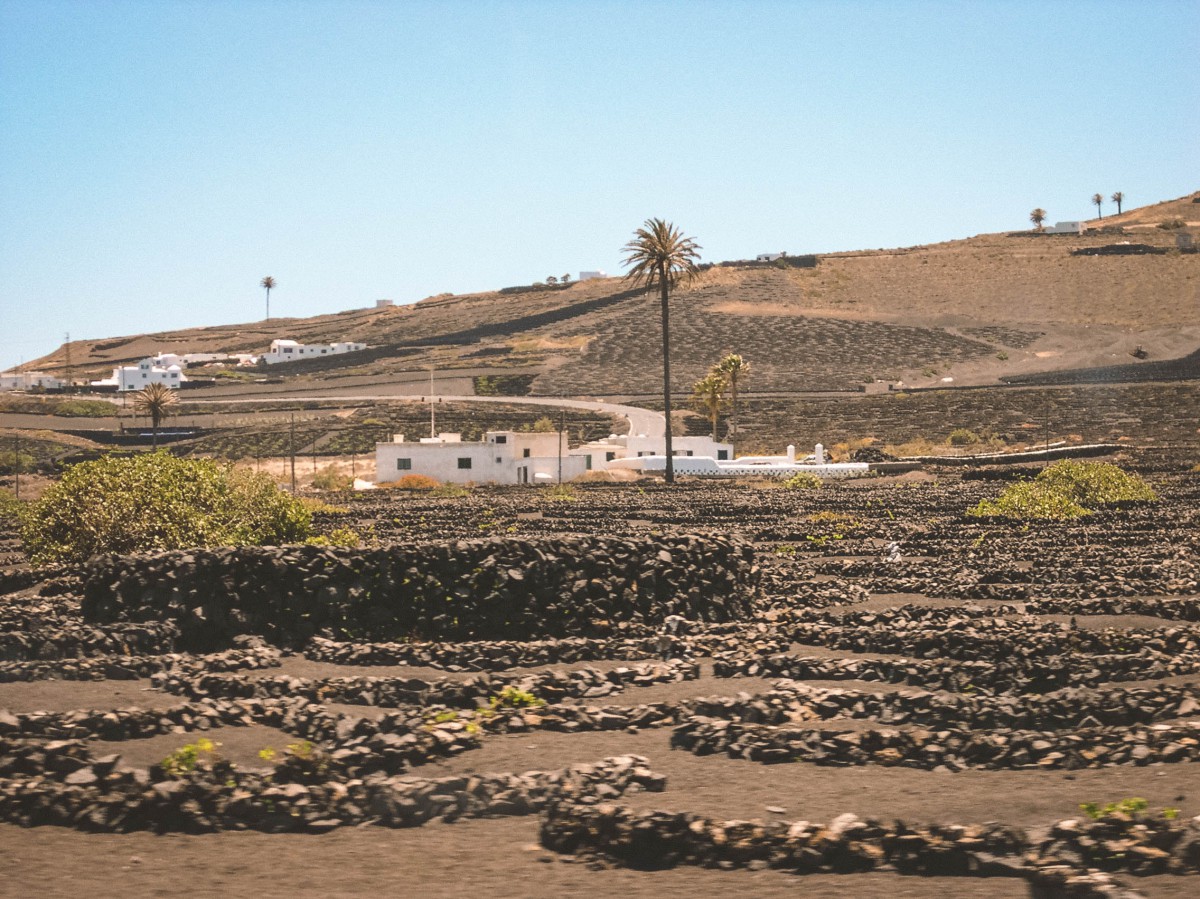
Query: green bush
(12, 510)
(1066, 490)
(1097, 483)
(329, 478)
(155, 502)
(963, 437)
(804, 480)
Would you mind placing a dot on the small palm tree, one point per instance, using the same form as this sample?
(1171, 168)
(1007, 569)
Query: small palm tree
(1098, 199)
(156, 401)
(1037, 217)
(709, 396)
(1117, 198)
(268, 282)
(734, 369)
(661, 256)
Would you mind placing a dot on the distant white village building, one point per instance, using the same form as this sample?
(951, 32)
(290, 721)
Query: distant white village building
(1065, 228)
(768, 257)
(145, 373)
(29, 380)
(592, 276)
(290, 350)
(165, 360)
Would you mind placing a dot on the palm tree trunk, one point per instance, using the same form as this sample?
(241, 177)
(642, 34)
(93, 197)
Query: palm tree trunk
(714, 424)
(268, 304)
(666, 343)
(154, 429)
(733, 424)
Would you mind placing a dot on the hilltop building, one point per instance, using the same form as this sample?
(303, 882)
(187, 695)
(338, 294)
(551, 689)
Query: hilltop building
(145, 373)
(1065, 228)
(592, 276)
(290, 350)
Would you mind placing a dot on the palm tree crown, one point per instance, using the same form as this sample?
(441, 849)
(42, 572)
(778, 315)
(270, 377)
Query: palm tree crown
(661, 256)
(1117, 198)
(268, 282)
(156, 401)
(1098, 199)
(1037, 217)
(709, 396)
(734, 369)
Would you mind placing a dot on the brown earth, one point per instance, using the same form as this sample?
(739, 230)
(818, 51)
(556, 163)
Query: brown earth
(986, 306)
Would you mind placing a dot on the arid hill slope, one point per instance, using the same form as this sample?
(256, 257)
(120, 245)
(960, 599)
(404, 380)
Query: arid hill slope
(972, 310)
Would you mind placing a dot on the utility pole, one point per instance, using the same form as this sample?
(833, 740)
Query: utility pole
(432, 418)
(70, 369)
(292, 447)
(562, 423)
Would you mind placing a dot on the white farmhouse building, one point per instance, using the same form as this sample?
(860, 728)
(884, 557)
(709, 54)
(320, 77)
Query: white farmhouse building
(29, 380)
(601, 453)
(502, 457)
(290, 350)
(1066, 228)
(592, 276)
(768, 257)
(145, 373)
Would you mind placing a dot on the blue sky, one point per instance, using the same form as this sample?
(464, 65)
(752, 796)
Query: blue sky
(157, 159)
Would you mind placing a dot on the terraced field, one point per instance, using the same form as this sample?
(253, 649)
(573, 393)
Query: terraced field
(823, 713)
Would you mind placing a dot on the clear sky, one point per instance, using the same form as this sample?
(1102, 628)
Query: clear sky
(157, 159)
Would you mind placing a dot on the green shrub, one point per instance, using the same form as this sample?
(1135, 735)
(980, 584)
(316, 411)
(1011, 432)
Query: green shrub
(202, 754)
(1174, 224)
(514, 698)
(1097, 483)
(347, 538)
(963, 437)
(804, 480)
(12, 510)
(329, 478)
(13, 462)
(1066, 490)
(155, 502)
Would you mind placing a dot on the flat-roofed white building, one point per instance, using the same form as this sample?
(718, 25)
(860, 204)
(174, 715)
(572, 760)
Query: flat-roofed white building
(592, 276)
(145, 373)
(290, 350)
(599, 453)
(502, 457)
(29, 380)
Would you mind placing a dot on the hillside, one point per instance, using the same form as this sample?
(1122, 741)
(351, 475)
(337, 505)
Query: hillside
(973, 310)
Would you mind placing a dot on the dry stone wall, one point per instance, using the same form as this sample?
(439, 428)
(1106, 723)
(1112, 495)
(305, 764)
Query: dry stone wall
(461, 590)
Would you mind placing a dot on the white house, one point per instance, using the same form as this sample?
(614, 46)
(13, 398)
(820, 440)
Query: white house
(290, 350)
(768, 257)
(28, 380)
(601, 453)
(145, 373)
(754, 466)
(1066, 228)
(502, 457)
(592, 276)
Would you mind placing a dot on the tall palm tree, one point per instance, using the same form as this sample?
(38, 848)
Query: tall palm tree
(1098, 199)
(734, 369)
(1117, 198)
(156, 401)
(1037, 217)
(709, 396)
(268, 282)
(661, 256)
